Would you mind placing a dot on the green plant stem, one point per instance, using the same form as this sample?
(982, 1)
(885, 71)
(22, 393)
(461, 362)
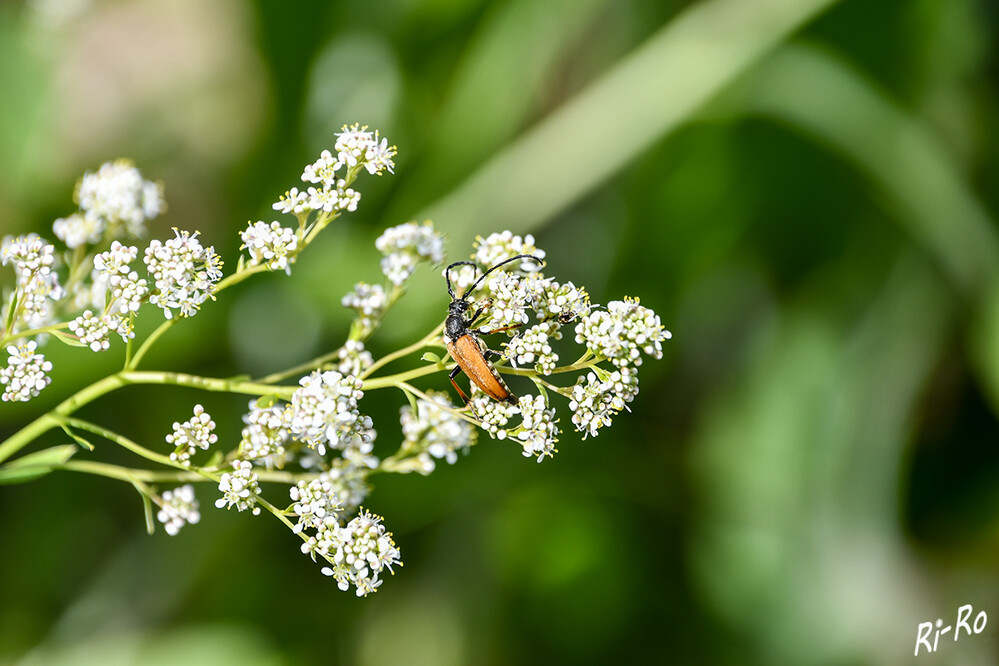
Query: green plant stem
(57, 416)
(148, 342)
(154, 476)
(416, 346)
(32, 332)
(120, 440)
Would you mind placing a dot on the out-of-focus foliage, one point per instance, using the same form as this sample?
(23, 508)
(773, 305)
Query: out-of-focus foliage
(804, 190)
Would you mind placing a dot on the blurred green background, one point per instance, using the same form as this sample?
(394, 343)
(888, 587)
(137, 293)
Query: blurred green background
(804, 190)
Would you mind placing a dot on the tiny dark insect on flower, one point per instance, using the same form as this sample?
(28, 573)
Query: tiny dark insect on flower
(465, 346)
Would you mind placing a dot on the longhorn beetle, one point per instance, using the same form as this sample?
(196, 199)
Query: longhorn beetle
(463, 344)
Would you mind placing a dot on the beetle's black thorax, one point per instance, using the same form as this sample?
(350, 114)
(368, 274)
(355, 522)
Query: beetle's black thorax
(455, 325)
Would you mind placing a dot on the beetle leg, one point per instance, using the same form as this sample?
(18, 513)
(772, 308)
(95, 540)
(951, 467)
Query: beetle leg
(482, 308)
(498, 330)
(454, 373)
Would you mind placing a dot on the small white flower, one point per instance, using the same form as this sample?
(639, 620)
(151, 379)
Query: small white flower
(406, 245)
(271, 244)
(538, 433)
(179, 508)
(195, 433)
(329, 199)
(433, 432)
(113, 265)
(623, 332)
(379, 156)
(293, 201)
(240, 488)
(184, 272)
(510, 296)
(324, 411)
(77, 230)
(322, 170)
(93, 331)
(26, 373)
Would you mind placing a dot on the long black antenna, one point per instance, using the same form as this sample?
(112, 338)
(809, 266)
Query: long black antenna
(447, 272)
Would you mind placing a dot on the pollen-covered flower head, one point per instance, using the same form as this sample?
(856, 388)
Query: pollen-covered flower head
(623, 332)
(117, 196)
(184, 272)
(324, 411)
(406, 245)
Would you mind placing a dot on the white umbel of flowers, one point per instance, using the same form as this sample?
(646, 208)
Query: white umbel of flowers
(179, 508)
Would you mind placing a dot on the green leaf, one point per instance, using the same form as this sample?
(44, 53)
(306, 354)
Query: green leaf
(68, 339)
(79, 440)
(147, 508)
(35, 465)
(430, 357)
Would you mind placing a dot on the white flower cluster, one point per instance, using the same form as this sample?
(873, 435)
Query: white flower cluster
(314, 502)
(324, 411)
(198, 432)
(184, 272)
(353, 358)
(95, 332)
(623, 332)
(405, 246)
(433, 432)
(370, 301)
(265, 435)
(558, 304)
(500, 246)
(594, 401)
(358, 552)
(356, 145)
(349, 478)
(112, 269)
(355, 148)
(270, 244)
(538, 432)
(25, 374)
(510, 294)
(240, 488)
(493, 415)
(115, 197)
(532, 347)
(179, 507)
(38, 286)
